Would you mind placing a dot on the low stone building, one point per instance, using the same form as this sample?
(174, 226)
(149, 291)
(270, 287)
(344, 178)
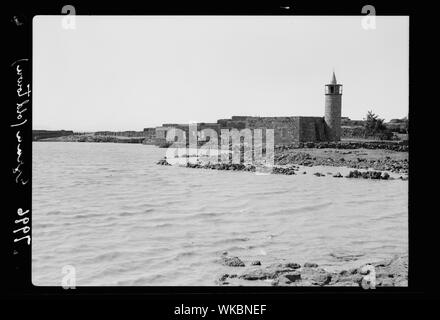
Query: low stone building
(287, 130)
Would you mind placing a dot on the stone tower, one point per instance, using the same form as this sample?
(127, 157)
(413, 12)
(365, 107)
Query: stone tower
(333, 103)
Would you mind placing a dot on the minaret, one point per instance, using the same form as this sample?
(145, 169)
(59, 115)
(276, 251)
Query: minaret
(333, 103)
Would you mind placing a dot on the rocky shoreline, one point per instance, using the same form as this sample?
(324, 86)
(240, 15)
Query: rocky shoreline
(292, 169)
(371, 160)
(390, 273)
(288, 170)
(336, 158)
(93, 138)
(401, 146)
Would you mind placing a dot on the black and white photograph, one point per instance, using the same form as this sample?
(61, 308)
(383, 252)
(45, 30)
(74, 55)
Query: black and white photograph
(220, 151)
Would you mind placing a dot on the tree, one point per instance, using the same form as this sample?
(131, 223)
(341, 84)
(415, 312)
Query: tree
(405, 125)
(375, 127)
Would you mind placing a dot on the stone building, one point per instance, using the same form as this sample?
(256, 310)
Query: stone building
(287, 130)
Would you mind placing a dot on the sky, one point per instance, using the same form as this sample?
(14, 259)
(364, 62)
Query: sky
(132, 72)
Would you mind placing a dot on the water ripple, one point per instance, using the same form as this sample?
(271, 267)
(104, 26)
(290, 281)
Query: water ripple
(120, 219)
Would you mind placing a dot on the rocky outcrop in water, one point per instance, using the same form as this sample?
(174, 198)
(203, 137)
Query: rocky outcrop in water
(289, 170)
(163, 162)
(368, 175)
(393, 272)
(232, 261)
(217, 166)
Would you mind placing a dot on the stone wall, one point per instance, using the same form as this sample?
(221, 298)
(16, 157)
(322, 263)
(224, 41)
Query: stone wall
(150, 135)
(312, 129)
(286, 129)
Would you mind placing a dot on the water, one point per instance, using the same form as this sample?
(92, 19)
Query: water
(118, 218)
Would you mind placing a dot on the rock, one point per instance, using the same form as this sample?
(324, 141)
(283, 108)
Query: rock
(270, 272)
(375, 174)
(316, 276)
(292, 265)
(287, 171)
(344, 256)
(318, 174)
(232, 261)
(397, 266)
(353, 271)
(288, 279)
(364, 270)
(393, 272)
(368, 175)
(385, 176)
(294, 276)
(276, 282)
(257, 274)
(256, 263)
(163, 162)
(337, 175)
(345, 284)
(322, 279)
(386, 282)
(310, 265)
(401, 282)
(223, 277)
(345, 278)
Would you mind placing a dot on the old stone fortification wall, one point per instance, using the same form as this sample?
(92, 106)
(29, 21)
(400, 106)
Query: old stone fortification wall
(312, 129)
(286, 129)
(150, 135)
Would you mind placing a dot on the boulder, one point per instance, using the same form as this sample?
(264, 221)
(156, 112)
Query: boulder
(223, 277)
(310, 265)
(292, 265)
(232, 261)
(163, 162)
(385, 176)
(270, 272)
(292, 276)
